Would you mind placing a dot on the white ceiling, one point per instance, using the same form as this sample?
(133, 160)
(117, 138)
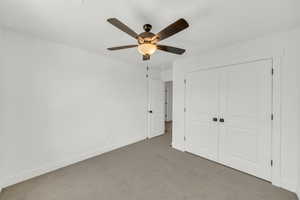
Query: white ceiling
(213, 23)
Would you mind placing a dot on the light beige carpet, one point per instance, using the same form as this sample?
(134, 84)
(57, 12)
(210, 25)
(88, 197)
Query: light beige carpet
(148, 170)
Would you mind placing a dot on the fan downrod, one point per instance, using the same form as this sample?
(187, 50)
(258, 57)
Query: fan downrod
(147, 27)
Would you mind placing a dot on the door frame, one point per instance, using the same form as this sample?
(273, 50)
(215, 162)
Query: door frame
(275, 105)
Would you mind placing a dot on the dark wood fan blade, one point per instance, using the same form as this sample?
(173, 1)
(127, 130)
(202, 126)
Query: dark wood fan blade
(117, 23)
(170, 49)
(146, 57)
(122, 47)
(172, 29)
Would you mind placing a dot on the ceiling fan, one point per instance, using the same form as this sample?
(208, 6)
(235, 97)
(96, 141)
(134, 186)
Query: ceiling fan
(148, 41)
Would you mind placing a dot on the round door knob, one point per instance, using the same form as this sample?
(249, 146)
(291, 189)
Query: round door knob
(222, 120)
(215, 119)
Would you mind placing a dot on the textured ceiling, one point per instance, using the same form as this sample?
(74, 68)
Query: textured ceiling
(213, 23)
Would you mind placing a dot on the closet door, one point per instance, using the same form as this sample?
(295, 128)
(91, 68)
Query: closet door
(245, 106)
(202, 106)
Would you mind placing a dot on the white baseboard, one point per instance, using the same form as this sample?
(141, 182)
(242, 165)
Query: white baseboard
(8, 181)
(157, 135)
(289, 185)
(178, 147)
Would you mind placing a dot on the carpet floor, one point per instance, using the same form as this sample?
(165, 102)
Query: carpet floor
(148, 170)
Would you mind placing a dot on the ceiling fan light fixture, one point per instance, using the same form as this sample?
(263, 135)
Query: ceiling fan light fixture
(147, 42)
(147, 48)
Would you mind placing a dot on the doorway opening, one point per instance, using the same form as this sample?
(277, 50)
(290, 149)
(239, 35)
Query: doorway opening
(168, 107)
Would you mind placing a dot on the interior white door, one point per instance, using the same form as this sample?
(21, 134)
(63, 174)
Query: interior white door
(245, 134)
(202, 105)
(156, 122)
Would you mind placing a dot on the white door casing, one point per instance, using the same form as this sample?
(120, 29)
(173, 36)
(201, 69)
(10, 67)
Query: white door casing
(242, 96)
(156, 125)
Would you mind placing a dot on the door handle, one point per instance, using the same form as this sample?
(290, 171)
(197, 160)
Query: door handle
(215, 119)
(222, 120)
(150, 111)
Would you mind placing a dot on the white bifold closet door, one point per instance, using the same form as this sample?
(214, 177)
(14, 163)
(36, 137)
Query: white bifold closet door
(202, 133)
(228, 117)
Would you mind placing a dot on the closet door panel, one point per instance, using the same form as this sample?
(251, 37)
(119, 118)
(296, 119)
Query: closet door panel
(245, 105)
(202, 105)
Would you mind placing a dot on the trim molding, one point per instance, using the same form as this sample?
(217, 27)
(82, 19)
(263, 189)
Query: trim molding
(153, 136)
(178, 147)
(288, 185)
(25, 175)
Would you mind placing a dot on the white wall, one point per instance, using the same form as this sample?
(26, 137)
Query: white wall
(285, 44)
(60, 105)
(167, 75)
(154, 72)
(298, 193)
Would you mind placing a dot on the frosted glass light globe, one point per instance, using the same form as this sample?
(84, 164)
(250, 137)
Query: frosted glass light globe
(147, 48)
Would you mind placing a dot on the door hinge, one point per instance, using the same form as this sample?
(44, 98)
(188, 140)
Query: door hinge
(147, 68)
(184, 81)
(271, 163)
(272, 71)
(184, 138)
(272, 116)
(184, 109)
(147, 75)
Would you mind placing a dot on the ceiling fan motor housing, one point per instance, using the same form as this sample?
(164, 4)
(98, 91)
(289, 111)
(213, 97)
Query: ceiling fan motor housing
(146, 37)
